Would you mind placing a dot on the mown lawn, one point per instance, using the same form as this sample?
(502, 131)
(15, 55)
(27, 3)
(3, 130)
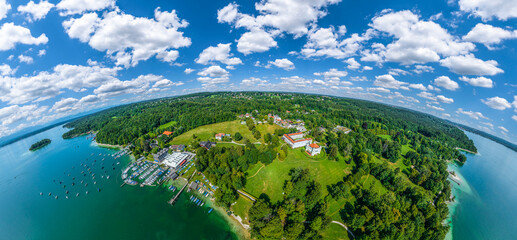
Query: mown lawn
(336, 232)
(208, 132)
(270, 179)
(241, 208)
(167, 125)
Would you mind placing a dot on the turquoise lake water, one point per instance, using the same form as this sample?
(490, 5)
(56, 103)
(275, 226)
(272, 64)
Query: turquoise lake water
(486, 201)
(130, 212)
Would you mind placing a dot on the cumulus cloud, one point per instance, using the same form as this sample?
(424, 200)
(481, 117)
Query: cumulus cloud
(471, 114)
(478, 81)
(45, 85)
(332, 74)
(446, 82)
(6, 70)
(14, 114)
(36, 11)
(352, 64)
(514, 118)
(435, 107)
(11, 34)
(432, 97)
(134, 86)
(415, 40)
(387, 81)
(422, 69)
(25, 59)
(325, 42)
(418, 86)
(497, 103)
(488, 9)
(128, 39)
(503, 129)
(470, 65)
(254, 82)
(213, 75)
(489, 35)
(254, 41)
(69, 7)
(282, 63)
(378, 89)
(274, 18)
(221, 53)
(189, 70)
(4, 8)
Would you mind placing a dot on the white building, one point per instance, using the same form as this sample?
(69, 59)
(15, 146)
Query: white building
(296, 140)
(176, 159)
(313, 149)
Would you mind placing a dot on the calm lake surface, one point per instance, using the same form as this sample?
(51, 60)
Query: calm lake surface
(130, 212)
(486, 201)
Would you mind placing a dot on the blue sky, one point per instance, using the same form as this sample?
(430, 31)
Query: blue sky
(452, 59)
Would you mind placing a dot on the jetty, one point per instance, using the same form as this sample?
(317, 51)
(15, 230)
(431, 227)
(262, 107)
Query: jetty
(173, 200)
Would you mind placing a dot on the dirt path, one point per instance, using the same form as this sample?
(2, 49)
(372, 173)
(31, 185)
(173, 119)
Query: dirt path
(344, 226)
(257, 171)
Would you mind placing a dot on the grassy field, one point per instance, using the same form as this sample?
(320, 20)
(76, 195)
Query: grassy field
(270, 179)
(167, 125)
(208, 132)
(385, 136)
(336, 232)
(241, 208)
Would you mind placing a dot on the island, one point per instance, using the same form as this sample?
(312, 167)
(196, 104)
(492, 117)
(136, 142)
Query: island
(40, 144)
(291, 166)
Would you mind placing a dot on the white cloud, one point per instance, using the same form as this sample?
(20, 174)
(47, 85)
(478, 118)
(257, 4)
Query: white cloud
(189, 70)
(418, 86)
(471, 114)
(213, 75)
(487, 9)
(221, 53)
(137, 85)
(25, 59)
(6, 70)
(503, 129)
(15, 114)
(69, 7)
(432, 97)
(10, 35)
(387, 81)
(470, 65)
(435, 107)
(446, 82)
(478, 81)
(37, 11)
(379, 89)
(332, 73)
(42, 52)
(45, 85)
(323, 42)
(367, 68)
(65, 105)
(255, 41)
(415, 41)
(352, 64)
(254, 82)
(422, 69)
(4, 8)
(282, 63)
(497, 103)
(128, 39)
(444, 99)
(515, 102)
(489, 35)
(397, 72)
(514, 118)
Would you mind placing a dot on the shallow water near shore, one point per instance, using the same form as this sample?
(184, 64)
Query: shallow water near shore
(485, 206)
(128, 212)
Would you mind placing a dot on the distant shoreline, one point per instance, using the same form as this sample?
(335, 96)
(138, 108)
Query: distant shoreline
(108, 145)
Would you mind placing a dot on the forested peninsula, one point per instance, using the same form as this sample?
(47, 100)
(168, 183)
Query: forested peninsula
(386, 178)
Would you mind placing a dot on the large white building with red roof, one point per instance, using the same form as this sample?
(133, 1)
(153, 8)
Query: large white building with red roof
(296, 140)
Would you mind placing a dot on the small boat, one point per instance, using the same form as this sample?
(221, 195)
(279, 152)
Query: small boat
(98, 189)
(77, 195)
(209, 211)
(66, 191)
(56, 197)
(49, 193)
(66, 197)
(41, 193)
(86, 192)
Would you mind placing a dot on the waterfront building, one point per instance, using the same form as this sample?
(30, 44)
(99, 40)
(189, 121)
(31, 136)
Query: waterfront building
(176, 159)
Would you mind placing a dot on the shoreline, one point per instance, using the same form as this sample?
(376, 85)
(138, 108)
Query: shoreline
(103, 145)
(234, 224)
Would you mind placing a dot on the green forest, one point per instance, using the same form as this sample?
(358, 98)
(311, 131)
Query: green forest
(39, 144)
(394, 183)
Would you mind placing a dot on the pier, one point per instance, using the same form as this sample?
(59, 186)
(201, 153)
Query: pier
(173, 200)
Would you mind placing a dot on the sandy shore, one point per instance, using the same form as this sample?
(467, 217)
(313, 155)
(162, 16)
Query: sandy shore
(235, 225)
(109, 146)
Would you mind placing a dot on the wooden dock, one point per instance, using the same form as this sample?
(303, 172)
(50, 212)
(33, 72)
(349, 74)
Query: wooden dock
(173, 200)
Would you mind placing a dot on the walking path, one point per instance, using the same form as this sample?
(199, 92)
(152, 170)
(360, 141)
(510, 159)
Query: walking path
(246, 195)
(344, 226)
(257, 171)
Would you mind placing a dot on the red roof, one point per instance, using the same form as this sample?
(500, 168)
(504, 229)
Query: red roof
(288, 136)
(220, 135)
(314, 145)
(168, 133)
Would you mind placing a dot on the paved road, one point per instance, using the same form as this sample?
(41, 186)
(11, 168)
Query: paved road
(344, 226)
